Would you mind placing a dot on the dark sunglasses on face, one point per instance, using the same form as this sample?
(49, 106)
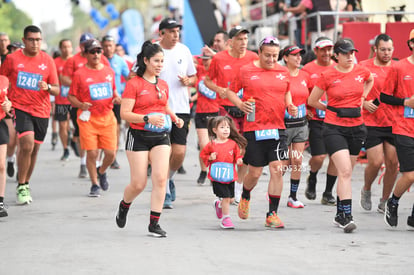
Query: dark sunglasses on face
(99, 51)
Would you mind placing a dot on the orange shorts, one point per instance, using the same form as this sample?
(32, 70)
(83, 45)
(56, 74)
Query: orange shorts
(99, 132)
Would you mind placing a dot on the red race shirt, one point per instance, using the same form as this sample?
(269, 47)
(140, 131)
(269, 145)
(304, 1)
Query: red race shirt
(224, 69)
(300, 87)
(227, 153)
(146, 97)
(343, 90)
(62, 98)
(206, 98)
(268, 88)
(3, 94)
(78, 61)
(24, 74)
(400, 84)
(96, 87)
(314, 70)
(383, 116)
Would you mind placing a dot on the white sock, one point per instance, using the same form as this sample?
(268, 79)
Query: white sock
(83, 160)
(172, 174)
(11, 159)
(167, 187)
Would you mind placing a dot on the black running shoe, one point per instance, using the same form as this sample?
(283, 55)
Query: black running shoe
(3, 211)
(74, 148)
(103, 181)
(121, 216)
(328, 199)
(202, 178)
(410, 222)
(181, 170)
(310, 192)
(346, 222)
(156, 231)
(54, 140)
(10, 169)
(391, 214)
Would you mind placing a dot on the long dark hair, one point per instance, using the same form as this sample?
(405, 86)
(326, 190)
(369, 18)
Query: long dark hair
(234, 133)
(148, 50)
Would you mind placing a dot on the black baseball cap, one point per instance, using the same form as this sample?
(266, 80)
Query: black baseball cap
(17, 45)
(292, 49)
(344, 45)
(169, 23)
(236, 31)
(92, 44)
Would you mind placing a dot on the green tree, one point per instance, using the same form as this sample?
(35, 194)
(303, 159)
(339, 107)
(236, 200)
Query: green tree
(13, 21)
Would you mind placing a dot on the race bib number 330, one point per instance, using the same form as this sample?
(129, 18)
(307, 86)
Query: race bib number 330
(100, 91)
(29, 81)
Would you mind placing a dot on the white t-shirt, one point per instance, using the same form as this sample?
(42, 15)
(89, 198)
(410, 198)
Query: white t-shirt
(178, 61)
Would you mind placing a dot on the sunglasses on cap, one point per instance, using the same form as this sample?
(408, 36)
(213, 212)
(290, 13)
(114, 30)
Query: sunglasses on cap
(269, 40)
(98, 51)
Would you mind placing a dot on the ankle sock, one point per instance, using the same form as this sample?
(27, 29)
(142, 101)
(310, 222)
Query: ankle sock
(246, 194)
(154, 217)
(394, 199)
(330, 182)
(125, 205)
(273, 203)
(347, 206)
(294, 185)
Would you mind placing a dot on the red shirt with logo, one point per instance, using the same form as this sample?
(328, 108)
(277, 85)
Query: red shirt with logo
(314, 70)
(96, 87)
(400, 84)
(344, 90)
(383, 116)
(147, 98)
(300, 88)
(62, 98)
(227, 152)
(3, 94)
(268, 88)
(206, 98)
(24, 74)
(224, 69)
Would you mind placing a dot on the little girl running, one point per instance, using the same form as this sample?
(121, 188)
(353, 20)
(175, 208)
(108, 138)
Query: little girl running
(221, 156)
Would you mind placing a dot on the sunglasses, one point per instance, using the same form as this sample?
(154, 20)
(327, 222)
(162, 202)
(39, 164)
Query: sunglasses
(269, 40)
(95, 51)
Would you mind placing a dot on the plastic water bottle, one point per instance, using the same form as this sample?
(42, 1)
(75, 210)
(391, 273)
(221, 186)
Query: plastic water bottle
(252, 115)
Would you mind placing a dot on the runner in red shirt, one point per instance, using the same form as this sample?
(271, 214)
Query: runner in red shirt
(72, 65)
(296, 127)
(399, 91)
(4, 140)
(346, 86)
(222, 73)
(145, 107)
(93, 92)
(378, 119)
(222, 154)
(323, 51)
(264, 81)
(62, 103)
(206, 108)
(33, 78)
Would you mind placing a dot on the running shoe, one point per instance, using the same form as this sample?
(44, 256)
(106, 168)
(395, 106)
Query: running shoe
(74, 147)
(226, 223)
(328, 199)
(167, 202)
(10, 169)
(121, 216)
(381, 206)
(345, 222)
(156, 231)
(181, 170)
(54, 140)
(410, 222)
(3, 211)
(172, 189)
(391, 213)
(115, 165)
(219, 212)
(65, 156)
(202, 178)
(95, 191)
(365, 201)
(103, 181)
(238, 190)
(295, 203)
(82, 172)
(310, 192)
(273, 221)
(23, 194)
(243, 208)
